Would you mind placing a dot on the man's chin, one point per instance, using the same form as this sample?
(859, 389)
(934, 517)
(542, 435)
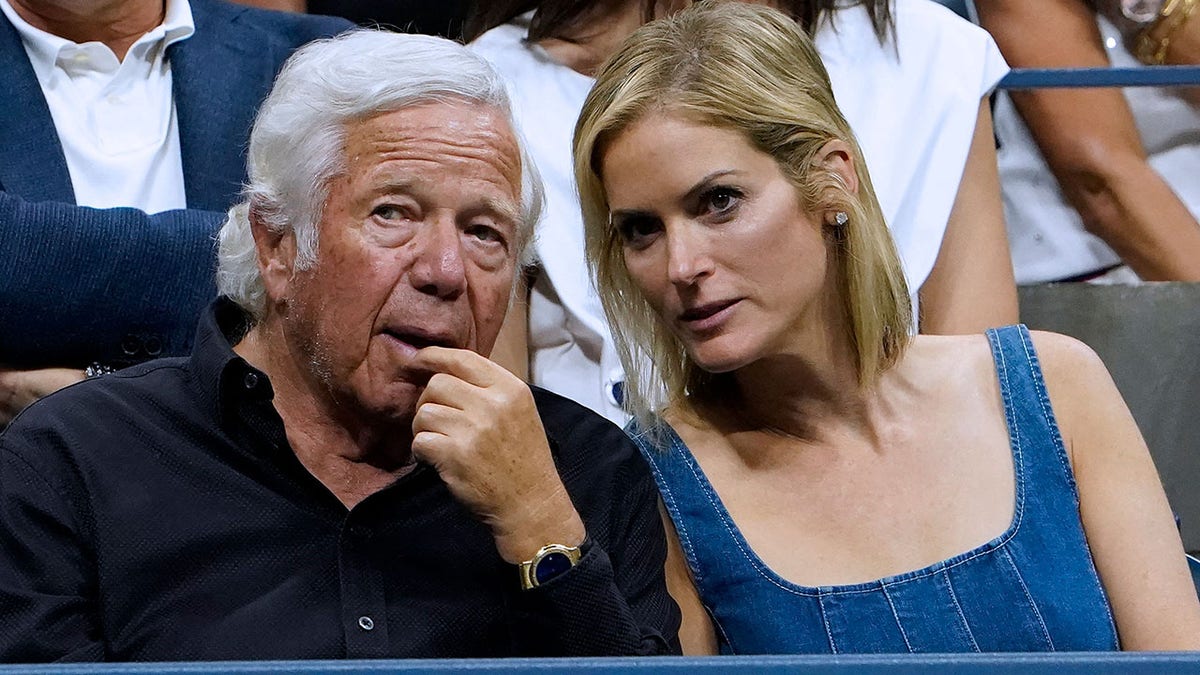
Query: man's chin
(398, 400)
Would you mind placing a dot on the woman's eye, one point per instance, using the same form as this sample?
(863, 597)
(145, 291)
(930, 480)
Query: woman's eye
(722, 200)
(638, 230)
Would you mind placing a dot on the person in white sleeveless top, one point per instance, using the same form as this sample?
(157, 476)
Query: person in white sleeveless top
(911, 77)
(1099, 184)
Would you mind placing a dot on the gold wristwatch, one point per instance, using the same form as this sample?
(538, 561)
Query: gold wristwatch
(549, 562)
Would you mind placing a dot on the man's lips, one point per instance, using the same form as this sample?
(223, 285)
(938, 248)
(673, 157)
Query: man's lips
(419, 338)
(707, 316)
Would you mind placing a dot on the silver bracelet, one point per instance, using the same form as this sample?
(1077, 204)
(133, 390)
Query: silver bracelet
(96, 370)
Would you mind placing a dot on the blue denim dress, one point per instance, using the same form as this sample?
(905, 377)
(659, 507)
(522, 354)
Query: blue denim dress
(1033, 588)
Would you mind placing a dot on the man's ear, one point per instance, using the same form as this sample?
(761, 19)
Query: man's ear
(837, 157)
(276, 254)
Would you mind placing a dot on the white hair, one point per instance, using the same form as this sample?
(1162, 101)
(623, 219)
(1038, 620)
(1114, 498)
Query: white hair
(298, 142)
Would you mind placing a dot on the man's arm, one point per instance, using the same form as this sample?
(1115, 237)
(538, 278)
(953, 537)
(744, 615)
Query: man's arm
(82, 285)
(615, 602)
(47, 609)
(1090, 142)
(479, 426)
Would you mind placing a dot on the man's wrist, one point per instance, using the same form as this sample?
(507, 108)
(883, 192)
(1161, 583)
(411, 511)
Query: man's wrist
(520, 546)
(552, 519)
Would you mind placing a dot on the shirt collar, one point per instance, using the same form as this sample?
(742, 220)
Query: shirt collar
(177, 25)
(43, 48)
(228, 378)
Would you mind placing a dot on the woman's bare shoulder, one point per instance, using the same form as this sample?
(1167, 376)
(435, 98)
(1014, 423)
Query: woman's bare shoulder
(937, 357)
(1062, 358)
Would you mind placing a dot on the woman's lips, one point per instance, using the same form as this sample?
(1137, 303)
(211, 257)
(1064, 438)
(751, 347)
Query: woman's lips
(707, 317)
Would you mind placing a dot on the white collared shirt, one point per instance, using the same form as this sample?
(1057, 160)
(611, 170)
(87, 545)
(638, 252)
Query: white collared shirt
(115, 119)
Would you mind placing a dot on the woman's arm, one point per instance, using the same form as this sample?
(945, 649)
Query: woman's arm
(1090, 142)
(696, 634)
(971, 287)
(1126, 518)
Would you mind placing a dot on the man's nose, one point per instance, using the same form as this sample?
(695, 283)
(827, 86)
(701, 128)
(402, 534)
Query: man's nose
(688, 258)
(439, 269)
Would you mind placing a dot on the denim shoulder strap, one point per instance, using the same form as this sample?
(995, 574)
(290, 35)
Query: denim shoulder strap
(1039, 456)
(1049, 545)
(706, 533)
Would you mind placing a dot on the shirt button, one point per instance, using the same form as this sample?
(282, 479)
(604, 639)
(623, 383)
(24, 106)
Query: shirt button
(131, 345)
(153, 346)
(251, 380)
(365, 623)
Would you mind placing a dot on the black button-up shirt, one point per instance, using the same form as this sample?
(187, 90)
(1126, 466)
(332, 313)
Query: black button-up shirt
(159, 513)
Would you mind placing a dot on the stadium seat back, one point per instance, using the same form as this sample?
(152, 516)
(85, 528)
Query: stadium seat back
(1149, 337)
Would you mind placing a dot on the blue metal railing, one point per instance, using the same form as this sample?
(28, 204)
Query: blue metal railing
(1157, 76)
(1063, 663)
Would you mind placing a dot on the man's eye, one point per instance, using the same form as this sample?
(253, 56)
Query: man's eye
(388, 212)
(485, 233)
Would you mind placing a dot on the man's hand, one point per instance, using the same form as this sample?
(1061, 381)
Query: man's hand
(476, 423)
(19, 388)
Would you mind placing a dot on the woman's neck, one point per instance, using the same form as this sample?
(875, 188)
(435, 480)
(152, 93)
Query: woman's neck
(814, 381)
(793, 394)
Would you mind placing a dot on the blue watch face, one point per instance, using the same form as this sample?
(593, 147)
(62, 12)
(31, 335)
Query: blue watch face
(550, 566)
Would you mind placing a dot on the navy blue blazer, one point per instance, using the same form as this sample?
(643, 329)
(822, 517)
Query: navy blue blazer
(81, 285)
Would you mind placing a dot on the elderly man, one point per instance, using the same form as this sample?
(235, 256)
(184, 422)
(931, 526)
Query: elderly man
(123, 128)
(336, 471)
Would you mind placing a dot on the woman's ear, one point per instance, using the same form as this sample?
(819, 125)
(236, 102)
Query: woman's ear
(837, 157)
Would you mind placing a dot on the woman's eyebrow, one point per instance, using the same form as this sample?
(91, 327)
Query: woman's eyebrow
(707, 182)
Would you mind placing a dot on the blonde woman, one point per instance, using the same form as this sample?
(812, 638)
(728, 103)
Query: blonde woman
(912, 78)
(834, 484)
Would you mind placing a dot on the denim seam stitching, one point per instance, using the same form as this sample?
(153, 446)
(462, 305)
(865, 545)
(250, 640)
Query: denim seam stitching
(672, 504)
(709, 494)
(891, 605)
(768, 575)
(1060, 452)
(1015, 526)
(961, 615)
(1033, 605)
(825, 621)
(1039, 385)
(685, 541)
(1014, 436)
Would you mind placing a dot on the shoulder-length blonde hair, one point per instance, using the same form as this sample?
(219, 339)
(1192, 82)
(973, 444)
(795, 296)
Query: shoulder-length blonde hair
(753, 70)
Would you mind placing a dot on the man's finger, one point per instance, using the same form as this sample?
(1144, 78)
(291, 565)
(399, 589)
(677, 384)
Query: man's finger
(448, 390)
(461, 363)
(437, 418)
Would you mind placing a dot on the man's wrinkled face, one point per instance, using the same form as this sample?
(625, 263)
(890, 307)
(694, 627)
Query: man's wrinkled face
(417, 247)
